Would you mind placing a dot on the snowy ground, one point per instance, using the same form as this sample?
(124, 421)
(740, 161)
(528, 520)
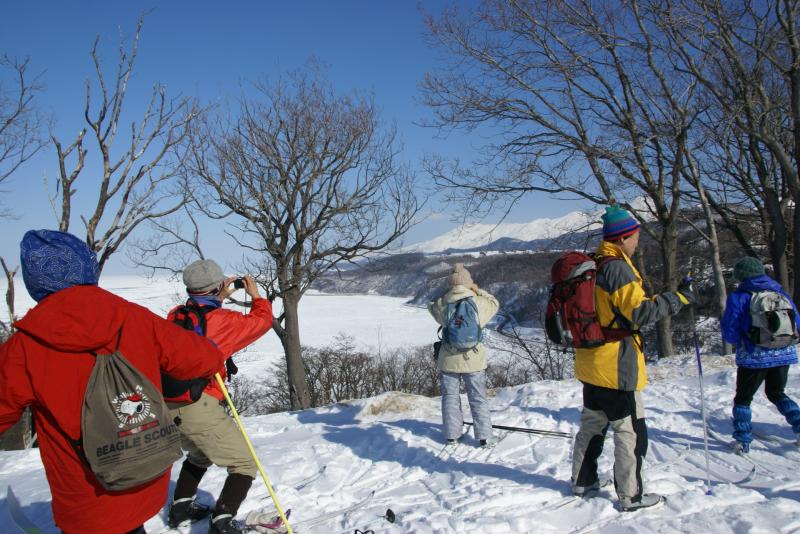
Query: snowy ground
(386, 452)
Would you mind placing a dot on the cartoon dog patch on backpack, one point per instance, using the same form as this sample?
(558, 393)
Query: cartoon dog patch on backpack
(134, 409)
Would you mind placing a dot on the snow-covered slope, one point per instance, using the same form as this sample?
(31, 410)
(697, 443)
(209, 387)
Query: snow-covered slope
(386, 453)
(470, 236)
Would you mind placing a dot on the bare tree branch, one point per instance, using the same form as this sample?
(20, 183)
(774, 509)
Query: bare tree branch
(313, 180)
(140, 184)
(20, 122)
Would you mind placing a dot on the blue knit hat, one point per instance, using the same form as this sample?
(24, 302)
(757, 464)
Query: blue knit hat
(52, 261)
(618, 223)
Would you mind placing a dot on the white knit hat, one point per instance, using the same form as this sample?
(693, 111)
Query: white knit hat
(460, 276)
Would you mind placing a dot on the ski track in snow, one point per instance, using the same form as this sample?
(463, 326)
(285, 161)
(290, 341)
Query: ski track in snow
(325, 460)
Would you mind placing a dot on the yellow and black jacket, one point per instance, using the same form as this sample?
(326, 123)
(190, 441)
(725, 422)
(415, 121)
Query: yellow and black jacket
(620, 302)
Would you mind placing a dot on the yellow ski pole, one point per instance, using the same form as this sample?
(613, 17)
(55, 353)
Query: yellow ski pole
(253, 452)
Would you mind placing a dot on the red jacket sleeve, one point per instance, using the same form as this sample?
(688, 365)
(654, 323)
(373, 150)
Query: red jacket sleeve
(16, 391)
(232, 331)
(184, 354)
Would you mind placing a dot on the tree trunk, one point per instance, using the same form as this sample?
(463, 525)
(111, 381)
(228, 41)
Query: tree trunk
(777, 237)
(20, 436)
(669, 282)
(795, 291)
(9, 294)
(716, 263)
(777, 251)
(290, 339)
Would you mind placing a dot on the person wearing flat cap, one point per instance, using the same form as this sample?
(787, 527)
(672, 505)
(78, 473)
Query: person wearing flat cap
(47, 363)
(759, 360)
(468, 365)
(208, 434)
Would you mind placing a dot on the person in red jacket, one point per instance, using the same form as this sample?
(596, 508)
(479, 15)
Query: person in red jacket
(208, 434)
(47, 362)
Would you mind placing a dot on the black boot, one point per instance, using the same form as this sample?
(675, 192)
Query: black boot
(186, 510)
(184, 507)
(188, 480)
(224, 524)
(233, 494)
(230, 498)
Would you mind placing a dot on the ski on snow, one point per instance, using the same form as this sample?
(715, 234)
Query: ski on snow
(323, 518)
(777, 440)
(727, 442)
(271, 524)
(309, 480)
(570, 499)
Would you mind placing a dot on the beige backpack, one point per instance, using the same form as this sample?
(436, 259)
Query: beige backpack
(127, 435)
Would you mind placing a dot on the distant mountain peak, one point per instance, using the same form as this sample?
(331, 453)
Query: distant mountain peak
(479, 235)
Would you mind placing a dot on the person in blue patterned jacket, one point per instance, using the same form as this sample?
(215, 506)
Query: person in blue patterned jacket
(756, 364)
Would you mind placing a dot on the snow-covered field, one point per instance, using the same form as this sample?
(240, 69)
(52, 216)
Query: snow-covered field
(374, 322)
(386, 452)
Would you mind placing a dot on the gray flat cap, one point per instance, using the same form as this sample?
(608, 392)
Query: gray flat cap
(202, 276)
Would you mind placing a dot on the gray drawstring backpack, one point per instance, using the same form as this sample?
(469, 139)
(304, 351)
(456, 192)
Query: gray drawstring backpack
(127, 435)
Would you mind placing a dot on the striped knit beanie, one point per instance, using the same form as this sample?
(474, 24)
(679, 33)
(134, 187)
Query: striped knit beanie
(618, 223)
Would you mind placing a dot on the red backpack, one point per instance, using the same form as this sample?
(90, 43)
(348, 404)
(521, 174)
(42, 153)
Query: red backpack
(570, 317)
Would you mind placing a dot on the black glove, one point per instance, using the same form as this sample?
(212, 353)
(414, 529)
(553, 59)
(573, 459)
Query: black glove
(685, 289)
(230, 368)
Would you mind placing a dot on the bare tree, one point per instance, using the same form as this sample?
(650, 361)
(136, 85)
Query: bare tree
(313, 181)
(546, 361)
(20, 122)
(710, 235)
(139, 182)
(20, 140)
(174, 243)
(581, 98)
(746, 55)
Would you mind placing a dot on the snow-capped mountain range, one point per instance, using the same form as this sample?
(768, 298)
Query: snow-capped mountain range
(476, 236)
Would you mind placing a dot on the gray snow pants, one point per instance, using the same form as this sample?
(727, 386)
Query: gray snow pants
(624, 412)
(452, 416)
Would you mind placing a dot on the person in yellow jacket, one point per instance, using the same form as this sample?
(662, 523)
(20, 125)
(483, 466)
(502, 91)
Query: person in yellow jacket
(613, 374)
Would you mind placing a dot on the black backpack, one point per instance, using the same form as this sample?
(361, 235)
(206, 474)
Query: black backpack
(191, 316)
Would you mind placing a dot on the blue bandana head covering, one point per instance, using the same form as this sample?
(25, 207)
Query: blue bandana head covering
(52, 261)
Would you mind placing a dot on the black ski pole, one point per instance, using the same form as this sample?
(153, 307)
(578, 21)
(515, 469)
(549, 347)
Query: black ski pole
(548, 433)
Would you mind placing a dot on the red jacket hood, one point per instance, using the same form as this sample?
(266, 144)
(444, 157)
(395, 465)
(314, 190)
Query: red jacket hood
(76, 319)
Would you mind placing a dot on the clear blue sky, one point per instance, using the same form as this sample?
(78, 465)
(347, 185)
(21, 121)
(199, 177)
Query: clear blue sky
(205, 49)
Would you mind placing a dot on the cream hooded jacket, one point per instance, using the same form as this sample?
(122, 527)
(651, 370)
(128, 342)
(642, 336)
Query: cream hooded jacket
(473, 360)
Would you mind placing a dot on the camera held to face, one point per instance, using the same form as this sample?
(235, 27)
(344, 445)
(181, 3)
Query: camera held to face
(238, 283)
